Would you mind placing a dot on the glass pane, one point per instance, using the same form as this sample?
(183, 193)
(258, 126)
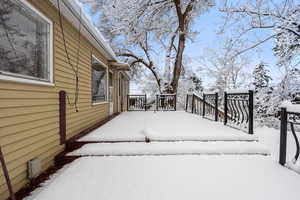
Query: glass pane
(99, 82)
(24, 41)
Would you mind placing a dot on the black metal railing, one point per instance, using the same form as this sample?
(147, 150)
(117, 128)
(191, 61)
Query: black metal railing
(137, 102)
(166, 102)
(210, 106)
(292, 119)
(189, 103)
(238, 109)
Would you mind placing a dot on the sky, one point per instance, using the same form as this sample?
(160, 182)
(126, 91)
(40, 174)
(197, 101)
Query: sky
(208, 25)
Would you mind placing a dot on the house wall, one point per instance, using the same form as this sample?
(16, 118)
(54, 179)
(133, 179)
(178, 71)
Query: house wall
(29, 114)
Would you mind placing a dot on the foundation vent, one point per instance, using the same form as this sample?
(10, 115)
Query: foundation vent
(34, 168)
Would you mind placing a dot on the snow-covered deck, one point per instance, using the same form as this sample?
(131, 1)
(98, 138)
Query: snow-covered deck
(165, 126)
(172, 177)
(188, 158)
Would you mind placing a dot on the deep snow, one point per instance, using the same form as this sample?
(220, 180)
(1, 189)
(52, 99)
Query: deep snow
(172, 177)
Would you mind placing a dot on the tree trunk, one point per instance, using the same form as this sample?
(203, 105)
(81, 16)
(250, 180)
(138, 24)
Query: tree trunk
(178, 63)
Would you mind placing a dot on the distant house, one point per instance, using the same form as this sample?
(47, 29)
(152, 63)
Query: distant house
(34, 68)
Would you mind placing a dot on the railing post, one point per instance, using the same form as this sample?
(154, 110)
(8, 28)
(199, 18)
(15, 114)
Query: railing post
(216, 107)
(186, 102)
(127, 102)
(175, 99)
(145, 102)
(251, 108)
(193, 101)
(203, 111)
(283, 136)
(157, 102)
(225, 108)
(62, 116)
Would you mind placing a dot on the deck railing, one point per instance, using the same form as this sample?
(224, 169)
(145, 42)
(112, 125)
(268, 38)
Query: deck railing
(291, 118)
(238, 108)
(210, 109)
(137, 102)
(166, 102)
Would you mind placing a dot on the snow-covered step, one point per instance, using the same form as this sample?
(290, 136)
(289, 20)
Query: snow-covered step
(172, 138)
(171, 148)
(153, 135)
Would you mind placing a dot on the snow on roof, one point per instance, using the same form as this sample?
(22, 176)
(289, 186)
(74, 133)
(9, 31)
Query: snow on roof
(72, 10)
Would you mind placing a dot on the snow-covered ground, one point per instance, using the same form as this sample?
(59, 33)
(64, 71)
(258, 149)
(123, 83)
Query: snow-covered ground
(163, 126)
(172, 177)
(211, 161)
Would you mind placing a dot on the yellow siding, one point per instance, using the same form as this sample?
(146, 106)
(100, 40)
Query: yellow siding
(29, 113)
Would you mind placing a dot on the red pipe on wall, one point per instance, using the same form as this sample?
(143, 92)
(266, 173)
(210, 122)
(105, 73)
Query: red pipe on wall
(5, 172)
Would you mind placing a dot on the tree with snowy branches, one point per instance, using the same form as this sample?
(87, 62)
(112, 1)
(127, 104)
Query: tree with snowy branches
(189, 81)
(261, 81)
(224, 71)
(143, 30)
(259, 21)
(288, 36)
(277, 20)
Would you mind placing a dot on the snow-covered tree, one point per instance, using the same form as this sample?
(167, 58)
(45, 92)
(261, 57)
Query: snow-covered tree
(197, 85)
(261, 76)
(269, 99)
(288, 36)
(224, 70)
(261, 81)
(277, 20)
(189, 81)
(143, 30)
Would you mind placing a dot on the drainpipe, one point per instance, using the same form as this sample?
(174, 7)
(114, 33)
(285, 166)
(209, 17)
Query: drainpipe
(5, 172)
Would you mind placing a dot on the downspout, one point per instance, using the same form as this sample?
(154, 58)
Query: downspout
(5, 172)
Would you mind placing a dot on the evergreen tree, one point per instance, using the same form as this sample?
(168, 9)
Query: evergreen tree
(261, 76)
(261, 81)
(197, 83)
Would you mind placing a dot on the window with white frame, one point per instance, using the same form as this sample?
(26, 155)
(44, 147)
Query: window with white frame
(99, 81)
(25, 41)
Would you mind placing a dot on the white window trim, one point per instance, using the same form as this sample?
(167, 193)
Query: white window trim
(104, 65)
(29, 79)
(99, 103)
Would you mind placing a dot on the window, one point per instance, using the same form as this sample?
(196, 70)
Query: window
(25, 42)
(99, 81)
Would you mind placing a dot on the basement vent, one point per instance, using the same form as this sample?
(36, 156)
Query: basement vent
(34, 168)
